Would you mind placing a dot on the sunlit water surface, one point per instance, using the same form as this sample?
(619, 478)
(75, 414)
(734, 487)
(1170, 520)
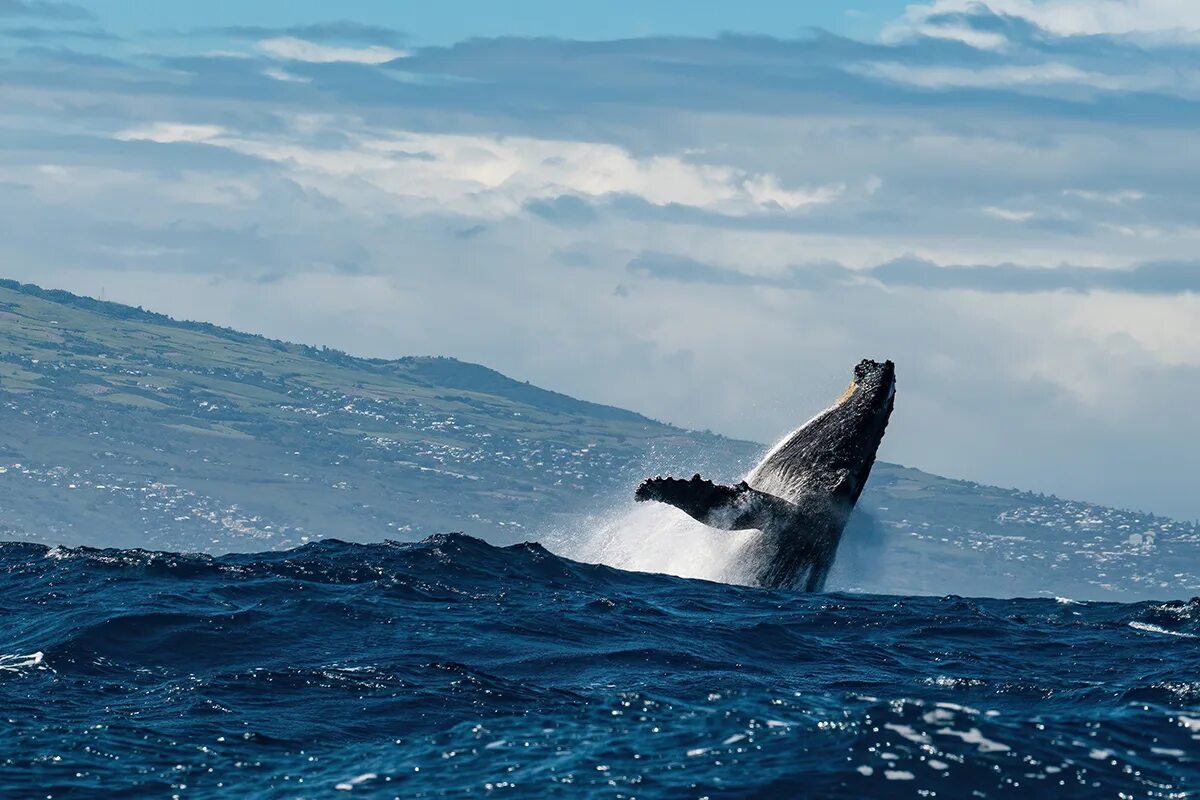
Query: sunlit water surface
(454, 668)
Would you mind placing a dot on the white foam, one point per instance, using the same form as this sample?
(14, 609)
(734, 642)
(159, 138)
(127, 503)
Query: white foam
(908, 732)
(937, 715)
(1148, 628)
(653, 537)
(957, 707)
(346, 786)
(898, 775)
(976, 737)
(16, 663)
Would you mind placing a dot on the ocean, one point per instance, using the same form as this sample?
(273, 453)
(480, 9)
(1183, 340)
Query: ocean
(453, 668)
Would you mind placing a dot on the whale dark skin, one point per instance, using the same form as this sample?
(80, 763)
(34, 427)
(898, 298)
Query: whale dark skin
(801, 494)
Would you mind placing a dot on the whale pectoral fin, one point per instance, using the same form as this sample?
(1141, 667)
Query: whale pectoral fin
(730, 508)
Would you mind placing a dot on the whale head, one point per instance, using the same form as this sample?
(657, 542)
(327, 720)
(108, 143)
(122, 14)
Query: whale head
(833, 452)
(861, 419)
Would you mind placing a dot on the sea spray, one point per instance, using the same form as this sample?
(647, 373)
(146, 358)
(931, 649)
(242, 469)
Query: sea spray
(650, 537)
(656, 538)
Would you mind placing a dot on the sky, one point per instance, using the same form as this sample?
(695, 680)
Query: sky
(446, 23)
(706, 212)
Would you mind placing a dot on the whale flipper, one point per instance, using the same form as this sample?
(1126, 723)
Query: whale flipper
(730, 508)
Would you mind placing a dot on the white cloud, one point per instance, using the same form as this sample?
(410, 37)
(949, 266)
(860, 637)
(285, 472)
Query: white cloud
(283, 75)
(915, 25)
(1112, 198)
(1050, 79)
(1167, 18)
(1008, 214)
(493, 177)
(943, 77)
(1165, 329)
(289, 48)
(168, 132)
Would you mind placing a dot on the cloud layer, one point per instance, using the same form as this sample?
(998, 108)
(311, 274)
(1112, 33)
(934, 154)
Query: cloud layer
(958, 19)
(1154, 278)
(998, 195)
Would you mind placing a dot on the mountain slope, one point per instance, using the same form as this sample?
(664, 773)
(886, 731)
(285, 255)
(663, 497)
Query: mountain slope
(128, 428)
(122, 427)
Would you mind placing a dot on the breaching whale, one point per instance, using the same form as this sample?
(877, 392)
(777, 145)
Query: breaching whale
(802, 492)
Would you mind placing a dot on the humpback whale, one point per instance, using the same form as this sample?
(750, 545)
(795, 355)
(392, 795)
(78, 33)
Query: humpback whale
(802, 492)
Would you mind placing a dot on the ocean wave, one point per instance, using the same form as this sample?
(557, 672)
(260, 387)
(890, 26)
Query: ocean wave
(446, 667)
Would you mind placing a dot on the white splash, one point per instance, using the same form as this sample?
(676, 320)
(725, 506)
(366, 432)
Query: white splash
(975, 737)
(347, 786)
(16, 663)
(908, 732)
(898, 775)
(1149, 628)
(653, 537)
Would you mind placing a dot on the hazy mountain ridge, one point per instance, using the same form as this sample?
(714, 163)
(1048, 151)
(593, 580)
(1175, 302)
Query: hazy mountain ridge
(258, 443)
(124, 427)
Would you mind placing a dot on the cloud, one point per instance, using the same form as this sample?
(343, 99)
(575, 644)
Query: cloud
(1008, 214)
(664, 266)
(937, 26)
(1152, 278)
(1052, 79)
(932, 77)
(171, 132)
(43, 9)
(275, 73)
(566, 208)
(290, 48)
(959, 19)
(1164, 278)
(324, 32)
(496, 176)
(1117, 197)
(686, 270)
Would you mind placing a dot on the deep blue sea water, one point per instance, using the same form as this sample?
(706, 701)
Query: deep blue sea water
(453, 668)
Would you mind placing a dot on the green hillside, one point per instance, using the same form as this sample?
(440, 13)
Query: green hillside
(121, 427)
(128, 428)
